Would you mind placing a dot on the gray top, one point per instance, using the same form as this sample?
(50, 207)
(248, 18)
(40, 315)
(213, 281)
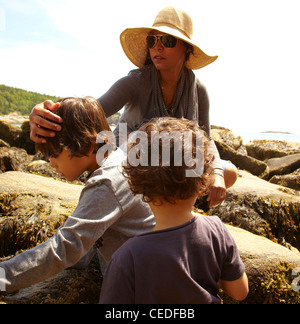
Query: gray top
(179, 265)
(140, 92)
(106, 209)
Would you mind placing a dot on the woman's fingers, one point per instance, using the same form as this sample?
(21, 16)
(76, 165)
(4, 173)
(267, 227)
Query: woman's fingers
(43, 122)
(217, 192)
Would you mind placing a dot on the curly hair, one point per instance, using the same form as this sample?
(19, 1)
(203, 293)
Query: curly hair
(167, 179)
(83, 119)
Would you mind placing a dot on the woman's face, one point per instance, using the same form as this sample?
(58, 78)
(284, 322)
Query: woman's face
(167, 59)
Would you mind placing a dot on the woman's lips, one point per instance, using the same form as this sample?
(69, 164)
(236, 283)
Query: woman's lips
(158, 58)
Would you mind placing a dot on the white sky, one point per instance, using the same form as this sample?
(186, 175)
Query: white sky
(72, 48)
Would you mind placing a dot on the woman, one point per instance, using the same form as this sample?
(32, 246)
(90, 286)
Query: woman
(164, 85)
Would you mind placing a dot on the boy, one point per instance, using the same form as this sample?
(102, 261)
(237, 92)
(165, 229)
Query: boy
(186, 259)
(107, 211)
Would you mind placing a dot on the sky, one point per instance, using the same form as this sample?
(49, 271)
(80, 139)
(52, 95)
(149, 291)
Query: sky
(72, 48)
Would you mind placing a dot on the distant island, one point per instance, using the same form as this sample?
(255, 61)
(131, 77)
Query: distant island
(276, 132)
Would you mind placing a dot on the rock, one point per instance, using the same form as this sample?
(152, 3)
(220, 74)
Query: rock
(269, 265)
(31, 209)
(17, 137)
(13, 159)
(25, 141)
(41, 167)
(10, 133)
(68, 287)
(14, 118)
(262, 208)
(290, 180)
(230, 147)
(226, 136)
(247, 163)
(242, 161)
(284, 165)
(265, 150)
(269, 269)
(3, 143)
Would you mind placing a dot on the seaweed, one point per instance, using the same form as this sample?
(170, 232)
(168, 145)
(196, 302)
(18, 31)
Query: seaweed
(24, 232)
(24, 227)
(277, 220)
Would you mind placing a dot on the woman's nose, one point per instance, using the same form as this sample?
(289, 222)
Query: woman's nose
(158, 45)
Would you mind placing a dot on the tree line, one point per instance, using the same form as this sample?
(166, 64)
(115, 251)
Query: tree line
(21, 101)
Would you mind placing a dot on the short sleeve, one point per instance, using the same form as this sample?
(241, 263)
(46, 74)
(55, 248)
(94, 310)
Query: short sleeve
(233, 267)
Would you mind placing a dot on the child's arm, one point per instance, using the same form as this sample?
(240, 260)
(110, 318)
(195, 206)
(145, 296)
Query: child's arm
(237, 289)
(97, 210)
(233, 279)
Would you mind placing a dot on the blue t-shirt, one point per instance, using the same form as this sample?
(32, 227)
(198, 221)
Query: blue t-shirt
(179, 265)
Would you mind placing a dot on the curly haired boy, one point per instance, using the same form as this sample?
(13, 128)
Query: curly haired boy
(187, 258)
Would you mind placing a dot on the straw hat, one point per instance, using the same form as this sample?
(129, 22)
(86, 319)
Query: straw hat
(170, 21)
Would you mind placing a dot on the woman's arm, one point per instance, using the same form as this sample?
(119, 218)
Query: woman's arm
(217, 192)
(118, 95)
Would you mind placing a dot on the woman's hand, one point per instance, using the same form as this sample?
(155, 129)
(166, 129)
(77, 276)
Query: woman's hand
(217, 192)
(40, 119)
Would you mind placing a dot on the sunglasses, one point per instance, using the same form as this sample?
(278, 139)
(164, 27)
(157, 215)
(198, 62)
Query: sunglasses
(166, 40)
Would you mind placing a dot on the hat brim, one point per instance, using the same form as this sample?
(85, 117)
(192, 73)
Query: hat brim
(134, 44)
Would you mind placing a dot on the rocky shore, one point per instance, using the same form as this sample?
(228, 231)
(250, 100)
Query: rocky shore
(14, 118)
(262, 211)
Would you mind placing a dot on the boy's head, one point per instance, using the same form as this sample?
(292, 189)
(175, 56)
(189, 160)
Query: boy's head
(74, 147)
(172, 150)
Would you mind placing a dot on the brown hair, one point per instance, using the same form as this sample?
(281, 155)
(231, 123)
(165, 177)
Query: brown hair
(170, 182)
(83, 119)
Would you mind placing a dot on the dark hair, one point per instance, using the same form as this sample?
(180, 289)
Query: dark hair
(190, 50)
(83, 119)
(170, 182)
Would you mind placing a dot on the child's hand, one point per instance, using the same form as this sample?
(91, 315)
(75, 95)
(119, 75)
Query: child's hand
(217, 192)
(40, 121)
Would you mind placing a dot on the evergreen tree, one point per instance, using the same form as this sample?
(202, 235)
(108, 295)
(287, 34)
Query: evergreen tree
(21, 101)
